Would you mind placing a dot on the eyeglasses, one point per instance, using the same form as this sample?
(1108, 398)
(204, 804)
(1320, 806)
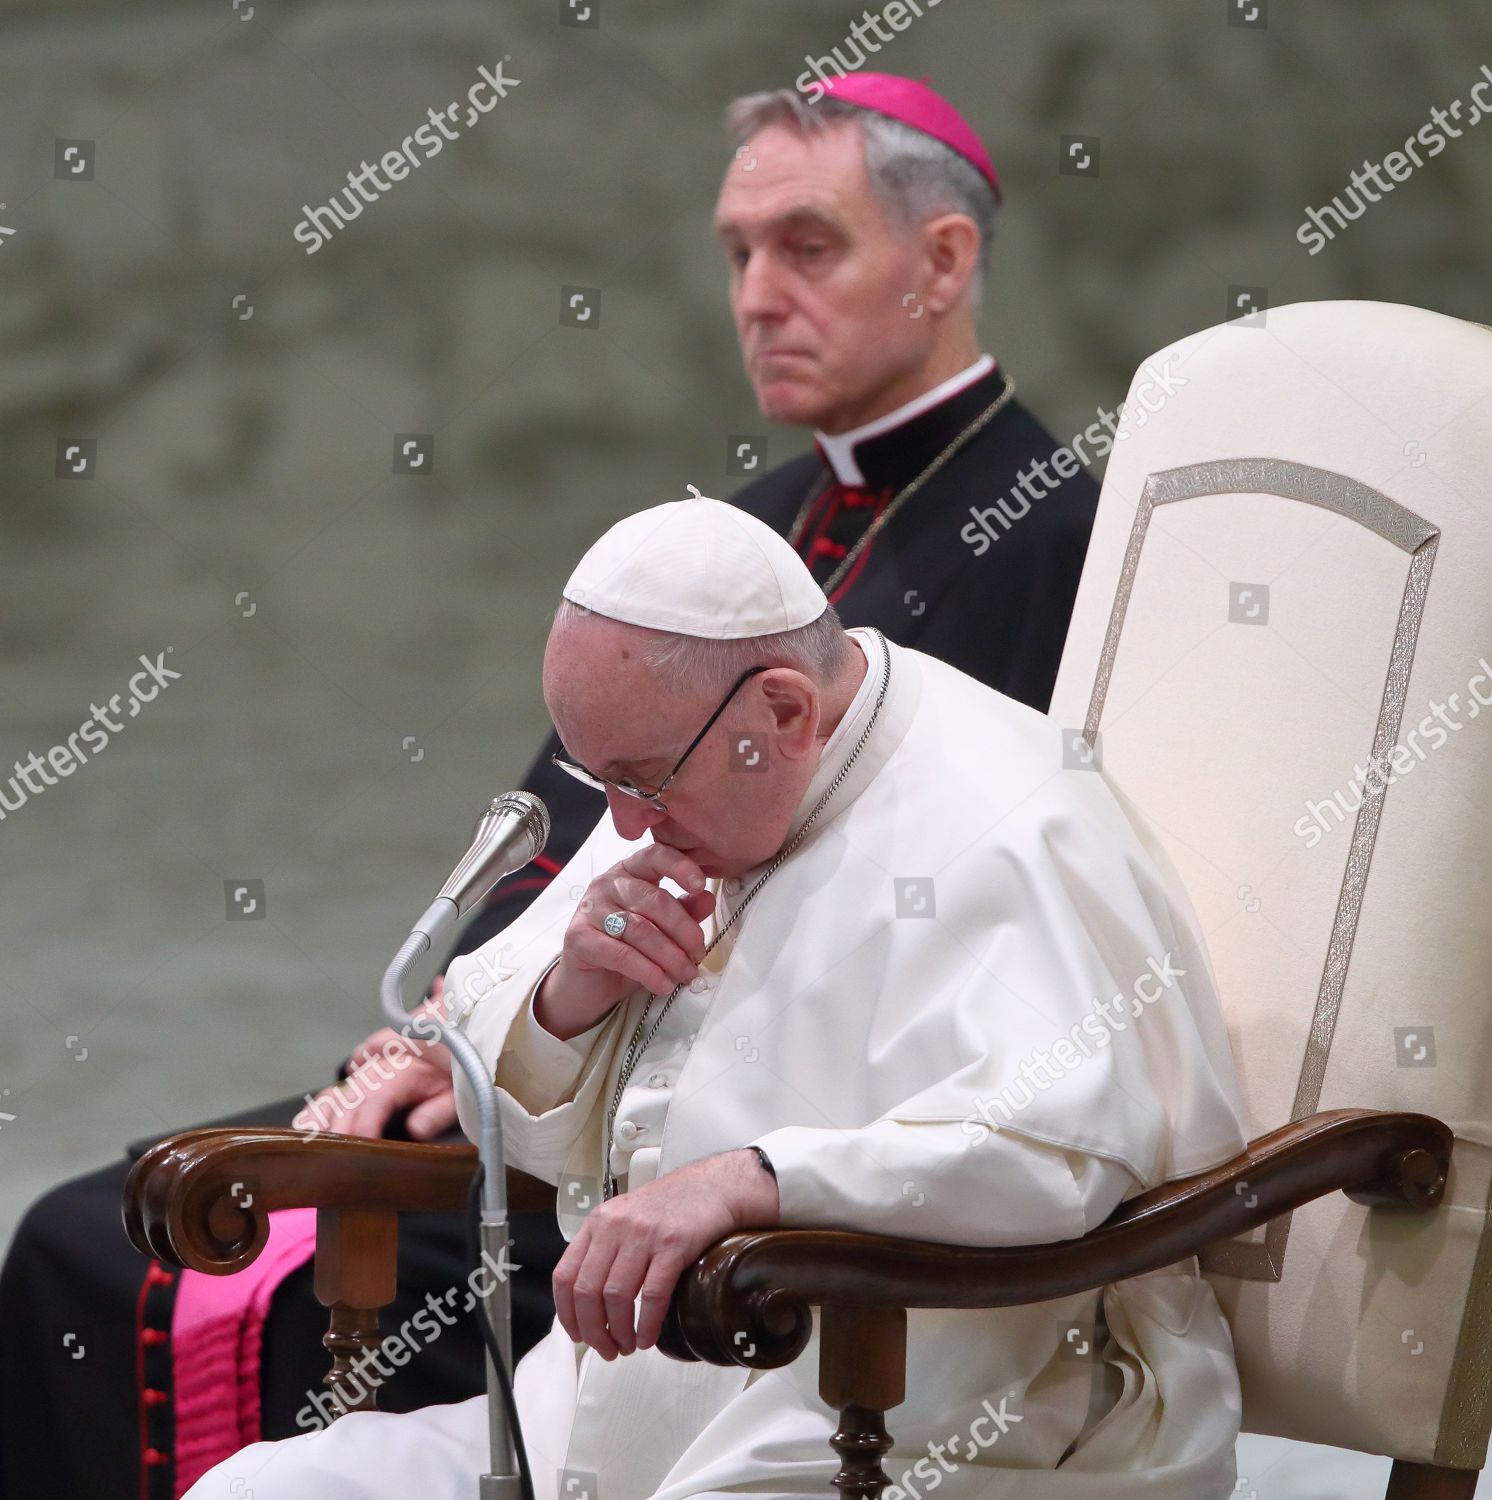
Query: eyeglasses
(626, 787)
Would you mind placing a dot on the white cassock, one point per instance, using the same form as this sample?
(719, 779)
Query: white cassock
(972, 1007)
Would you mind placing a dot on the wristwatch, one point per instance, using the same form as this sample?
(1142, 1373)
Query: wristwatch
(765, 1161)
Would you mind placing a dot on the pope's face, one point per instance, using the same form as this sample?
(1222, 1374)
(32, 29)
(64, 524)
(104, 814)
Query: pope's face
(730, 807)
(823, 287)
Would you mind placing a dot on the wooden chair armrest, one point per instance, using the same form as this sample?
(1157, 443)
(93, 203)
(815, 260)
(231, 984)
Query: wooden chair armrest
(202, 1198)
(747, 1299)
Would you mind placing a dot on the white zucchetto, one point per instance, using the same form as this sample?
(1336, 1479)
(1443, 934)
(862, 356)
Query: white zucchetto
(697, 567)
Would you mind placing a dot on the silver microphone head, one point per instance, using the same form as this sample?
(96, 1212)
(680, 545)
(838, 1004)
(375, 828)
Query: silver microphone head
(512, 831)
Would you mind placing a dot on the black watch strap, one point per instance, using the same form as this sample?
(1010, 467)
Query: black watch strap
(764, 1159)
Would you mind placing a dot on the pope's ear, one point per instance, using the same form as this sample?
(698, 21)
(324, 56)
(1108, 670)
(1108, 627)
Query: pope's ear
(950, 244)
(791, 697)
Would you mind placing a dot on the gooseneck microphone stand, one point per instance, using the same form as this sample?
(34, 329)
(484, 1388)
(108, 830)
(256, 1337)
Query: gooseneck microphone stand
(512, 831)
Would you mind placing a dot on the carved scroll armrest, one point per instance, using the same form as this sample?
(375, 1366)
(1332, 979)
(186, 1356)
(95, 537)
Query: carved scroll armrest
(747, 1300)
(202, 1198)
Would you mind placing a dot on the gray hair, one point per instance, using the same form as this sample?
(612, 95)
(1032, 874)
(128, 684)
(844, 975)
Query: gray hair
(692, 664)
(913, 175)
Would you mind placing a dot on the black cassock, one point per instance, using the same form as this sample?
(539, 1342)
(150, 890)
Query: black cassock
(992, 600)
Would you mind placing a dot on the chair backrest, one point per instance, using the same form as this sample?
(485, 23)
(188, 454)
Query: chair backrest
(1282, 649)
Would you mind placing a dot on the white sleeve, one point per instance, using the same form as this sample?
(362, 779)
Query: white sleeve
(930, 1180)
(546, 1088)
(539, 1069)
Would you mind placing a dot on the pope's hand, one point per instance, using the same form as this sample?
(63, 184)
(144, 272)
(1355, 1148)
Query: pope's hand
(390, 1073)
(640, 1241)
(660, 944)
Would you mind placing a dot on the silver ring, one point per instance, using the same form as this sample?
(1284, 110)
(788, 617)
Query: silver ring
(616, 923)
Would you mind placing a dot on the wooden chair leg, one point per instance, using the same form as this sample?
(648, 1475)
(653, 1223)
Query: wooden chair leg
(862, 1372)
(356, 1274)
(1428, 1482)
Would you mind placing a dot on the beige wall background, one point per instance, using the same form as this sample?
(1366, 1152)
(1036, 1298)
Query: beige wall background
(359, 650)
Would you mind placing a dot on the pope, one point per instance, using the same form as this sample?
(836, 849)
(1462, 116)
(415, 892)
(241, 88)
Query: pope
(857, 232)
(851, 950)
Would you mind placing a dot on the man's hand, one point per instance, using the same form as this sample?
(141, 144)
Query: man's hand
(390, 1073)
(661, 943)
(642, 1240)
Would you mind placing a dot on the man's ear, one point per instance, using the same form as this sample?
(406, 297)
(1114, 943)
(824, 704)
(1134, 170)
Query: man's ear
(794, 703)
(950, 245)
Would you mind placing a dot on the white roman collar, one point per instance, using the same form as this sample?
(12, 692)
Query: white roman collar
(903, 692)
(840, 449)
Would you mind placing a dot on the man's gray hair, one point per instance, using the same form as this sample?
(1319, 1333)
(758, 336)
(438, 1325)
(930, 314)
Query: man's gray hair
(913, 175)
(692, 664)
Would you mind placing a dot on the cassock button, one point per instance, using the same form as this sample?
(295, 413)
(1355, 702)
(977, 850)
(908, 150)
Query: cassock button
(658, 1080)
(628, 1129)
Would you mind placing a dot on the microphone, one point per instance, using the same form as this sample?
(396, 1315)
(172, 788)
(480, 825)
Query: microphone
(512, 831)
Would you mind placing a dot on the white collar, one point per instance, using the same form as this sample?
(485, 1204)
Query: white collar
(903, 694)
(840, 448)
(851, 723)
(859, 707)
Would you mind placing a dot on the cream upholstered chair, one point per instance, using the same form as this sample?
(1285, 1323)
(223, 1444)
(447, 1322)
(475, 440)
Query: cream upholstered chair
(1290, 576)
